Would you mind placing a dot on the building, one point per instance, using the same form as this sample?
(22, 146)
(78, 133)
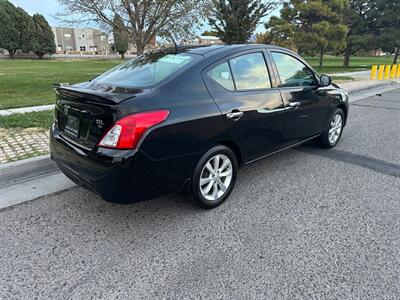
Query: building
(208, 40)
(79, 40)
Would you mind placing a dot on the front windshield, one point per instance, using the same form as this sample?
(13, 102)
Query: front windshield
(146, 70)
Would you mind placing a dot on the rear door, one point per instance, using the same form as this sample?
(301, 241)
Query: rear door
(306, 104)
(252, 107)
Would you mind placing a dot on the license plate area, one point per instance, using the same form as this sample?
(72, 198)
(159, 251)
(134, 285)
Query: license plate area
(72, 125)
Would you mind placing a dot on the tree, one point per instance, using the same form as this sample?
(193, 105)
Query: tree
(18, 30)
(315, 26)
(388, 23)
(44, 42)
(26, 28)
(9, 27)
(144, 19)
(280, 33)
(360, 18)
(236, 20)
(120, 36)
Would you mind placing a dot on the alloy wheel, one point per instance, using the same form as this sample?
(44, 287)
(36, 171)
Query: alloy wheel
(335, 129)
(216, 177)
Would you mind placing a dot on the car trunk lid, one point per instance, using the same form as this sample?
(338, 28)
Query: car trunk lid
(84, 114)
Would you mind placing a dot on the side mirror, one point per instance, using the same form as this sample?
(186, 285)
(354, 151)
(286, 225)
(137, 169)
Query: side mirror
(325, 80)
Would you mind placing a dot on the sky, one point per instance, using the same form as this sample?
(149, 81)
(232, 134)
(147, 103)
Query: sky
(49, 9)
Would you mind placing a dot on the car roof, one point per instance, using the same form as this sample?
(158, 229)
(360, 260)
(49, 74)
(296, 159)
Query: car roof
(208, 50)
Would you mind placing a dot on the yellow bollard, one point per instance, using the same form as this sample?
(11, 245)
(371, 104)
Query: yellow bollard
(398, 71)
(380, 73)
(373, 72)
(387, 72)
(393, 72)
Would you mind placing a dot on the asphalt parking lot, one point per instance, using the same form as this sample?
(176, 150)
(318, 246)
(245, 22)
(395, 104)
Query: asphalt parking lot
(305, 223)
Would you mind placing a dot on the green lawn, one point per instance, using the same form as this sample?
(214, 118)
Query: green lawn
(333, 64)
(28, 82)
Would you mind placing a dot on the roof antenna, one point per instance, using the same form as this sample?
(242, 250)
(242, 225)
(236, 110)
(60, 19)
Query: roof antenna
(173, 40)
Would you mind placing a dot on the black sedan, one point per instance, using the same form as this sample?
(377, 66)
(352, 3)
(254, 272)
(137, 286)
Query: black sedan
(188, 117)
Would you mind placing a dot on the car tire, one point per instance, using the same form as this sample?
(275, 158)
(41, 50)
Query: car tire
(214, 177)
(332, 133)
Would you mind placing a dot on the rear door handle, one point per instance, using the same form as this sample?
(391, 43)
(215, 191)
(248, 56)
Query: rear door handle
(235, 116)
(294, 104)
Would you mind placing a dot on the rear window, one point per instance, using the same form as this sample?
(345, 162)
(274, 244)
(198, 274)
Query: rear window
(222, 75)
(145, 71)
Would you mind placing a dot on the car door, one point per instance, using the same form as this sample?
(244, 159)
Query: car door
(252, 107)
(307, 105)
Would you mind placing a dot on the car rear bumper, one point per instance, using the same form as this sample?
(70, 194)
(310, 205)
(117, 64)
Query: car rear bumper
(118, 176)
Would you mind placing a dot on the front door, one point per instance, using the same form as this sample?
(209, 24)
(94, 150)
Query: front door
(306, 104)
(253, 110)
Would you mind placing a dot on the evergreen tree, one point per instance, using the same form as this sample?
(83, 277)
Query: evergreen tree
(360, 17)
(315, 26)
(44, 42)
(27, 31)
(120, 36)
(9, 31)
(235, 20)
(280, 33)
(388, 23)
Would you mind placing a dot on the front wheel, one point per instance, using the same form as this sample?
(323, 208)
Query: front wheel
(214, 177)
(331, 135)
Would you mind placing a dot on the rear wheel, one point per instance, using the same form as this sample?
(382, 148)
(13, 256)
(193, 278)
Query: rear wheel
(214, 177)
(331, 135)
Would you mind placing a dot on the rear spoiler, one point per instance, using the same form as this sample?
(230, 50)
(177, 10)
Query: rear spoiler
(70, 91)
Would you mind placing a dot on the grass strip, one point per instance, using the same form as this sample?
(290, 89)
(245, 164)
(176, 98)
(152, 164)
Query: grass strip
(37, 119)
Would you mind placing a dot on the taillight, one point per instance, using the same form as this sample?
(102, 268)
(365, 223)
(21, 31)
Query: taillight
(127, 131)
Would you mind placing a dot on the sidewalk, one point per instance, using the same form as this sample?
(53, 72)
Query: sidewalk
(358, 75)
(22, 110)
(362, 85)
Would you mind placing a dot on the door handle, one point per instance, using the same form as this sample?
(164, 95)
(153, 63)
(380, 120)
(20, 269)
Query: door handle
(235, 115)
(294, 104)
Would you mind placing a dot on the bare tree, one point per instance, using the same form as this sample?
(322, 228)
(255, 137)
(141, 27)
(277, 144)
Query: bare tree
(144, 19)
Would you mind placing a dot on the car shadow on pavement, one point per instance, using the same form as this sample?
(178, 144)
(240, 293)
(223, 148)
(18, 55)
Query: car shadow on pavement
(85, 206)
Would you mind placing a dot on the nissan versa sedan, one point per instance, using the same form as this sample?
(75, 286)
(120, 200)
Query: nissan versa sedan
(187, 118)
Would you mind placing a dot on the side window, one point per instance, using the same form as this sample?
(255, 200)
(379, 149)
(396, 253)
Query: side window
(250, 72)
(292, 72)
(222, 75)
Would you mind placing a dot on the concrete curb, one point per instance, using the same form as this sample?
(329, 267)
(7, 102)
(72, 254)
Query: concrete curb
(19, 162)
(29, 179)
(22, 170)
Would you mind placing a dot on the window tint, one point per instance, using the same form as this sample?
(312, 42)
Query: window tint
(222, 75)
(250, 72)
(292, 72)
(145, 70)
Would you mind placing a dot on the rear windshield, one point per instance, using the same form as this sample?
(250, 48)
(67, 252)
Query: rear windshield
(146, 70)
